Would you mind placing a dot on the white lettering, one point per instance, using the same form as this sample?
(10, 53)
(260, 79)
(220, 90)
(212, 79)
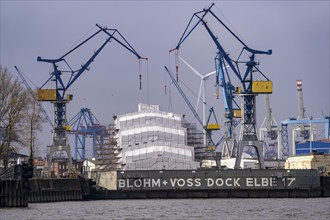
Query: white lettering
(236, 181)
(264, 181)
(173, 182)
(291, 180)
(128, 185)
(137, 183)
(249, 181)
(155, 183)
(227, 183)
(147, 183)
(210, 182)
(181, 182)
(189, 182)
(219, 182)
(198, 182)
(256, 182)
(121, 183)
(273, 182)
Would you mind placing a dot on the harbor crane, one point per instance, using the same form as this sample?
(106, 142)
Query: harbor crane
(248, 91)
(59, 97)
(85, 124)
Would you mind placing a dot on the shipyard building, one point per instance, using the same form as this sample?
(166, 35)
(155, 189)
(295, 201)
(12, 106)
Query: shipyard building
(151, 139)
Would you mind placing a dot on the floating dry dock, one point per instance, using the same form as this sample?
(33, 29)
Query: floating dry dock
(168, 184)
(211, 184)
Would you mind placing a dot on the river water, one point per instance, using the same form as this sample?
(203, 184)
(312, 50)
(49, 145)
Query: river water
(303, 209)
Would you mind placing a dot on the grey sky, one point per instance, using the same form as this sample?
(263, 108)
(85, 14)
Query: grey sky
(296, 31)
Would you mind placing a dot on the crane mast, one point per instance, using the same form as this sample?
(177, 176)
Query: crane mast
(270, 129)
(247, 92)
(58, 96)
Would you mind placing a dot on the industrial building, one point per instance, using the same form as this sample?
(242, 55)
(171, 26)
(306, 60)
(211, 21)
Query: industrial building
(316, 147)
(318, 162)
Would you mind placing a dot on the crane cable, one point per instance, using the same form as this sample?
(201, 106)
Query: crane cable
(80, 39)
(228, 22)
(148, 82)
(167, 82)
(140, 74)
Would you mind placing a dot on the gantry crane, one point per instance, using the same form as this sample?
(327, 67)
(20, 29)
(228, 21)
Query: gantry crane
(58, 96)
(248, 90)
(303, 125)
(85, 124)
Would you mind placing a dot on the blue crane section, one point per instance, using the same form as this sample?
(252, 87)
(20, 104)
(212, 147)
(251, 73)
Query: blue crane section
(85, 124)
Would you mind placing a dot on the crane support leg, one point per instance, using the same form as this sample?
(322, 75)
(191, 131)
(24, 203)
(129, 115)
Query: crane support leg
(248, 133)
(53, 149)
(60, 141)
(257, 146)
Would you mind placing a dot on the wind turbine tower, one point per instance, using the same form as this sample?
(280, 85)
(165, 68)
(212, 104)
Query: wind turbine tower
(201, 92)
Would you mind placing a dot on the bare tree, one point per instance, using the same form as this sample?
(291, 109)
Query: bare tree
(13, 101)
(34, 120)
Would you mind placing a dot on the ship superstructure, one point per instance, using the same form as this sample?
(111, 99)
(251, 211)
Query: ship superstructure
(151, 139)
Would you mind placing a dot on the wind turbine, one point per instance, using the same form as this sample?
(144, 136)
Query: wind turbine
(202, 89)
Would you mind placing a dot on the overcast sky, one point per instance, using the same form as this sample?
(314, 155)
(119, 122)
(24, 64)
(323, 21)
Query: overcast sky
(296, 31)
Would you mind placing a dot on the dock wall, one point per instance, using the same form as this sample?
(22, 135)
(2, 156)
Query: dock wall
(13, 193)
(225, 193)
(54, 190)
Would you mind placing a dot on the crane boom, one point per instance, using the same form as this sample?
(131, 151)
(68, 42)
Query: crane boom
(207, 127)
(33, 94)
(184, 96)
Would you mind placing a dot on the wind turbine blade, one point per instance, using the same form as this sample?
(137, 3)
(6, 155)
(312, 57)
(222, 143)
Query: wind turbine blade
(192, 68)
(199, 94)
(209, 74)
